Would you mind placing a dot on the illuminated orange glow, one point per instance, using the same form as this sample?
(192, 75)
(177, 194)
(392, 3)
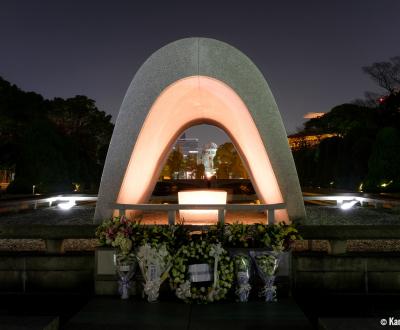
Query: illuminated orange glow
(187, 102)
(5, 179)
(298, 141)
(201, 197)
(312, 115)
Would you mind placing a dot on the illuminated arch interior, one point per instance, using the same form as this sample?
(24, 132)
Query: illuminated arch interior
(187, 102)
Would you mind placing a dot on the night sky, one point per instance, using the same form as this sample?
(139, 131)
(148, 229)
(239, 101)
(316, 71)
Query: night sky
(311, 52)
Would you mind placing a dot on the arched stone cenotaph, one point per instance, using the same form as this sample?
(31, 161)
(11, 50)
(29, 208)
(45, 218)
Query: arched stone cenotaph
(198, 81)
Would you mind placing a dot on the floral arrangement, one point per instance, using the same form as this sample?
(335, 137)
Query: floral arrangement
(151, 246)
(277, 237)
(197, 264)
(267, 264)
(201, 287)
(238, 235)
(154, 262)
(242, 264)
(173, 236)
(120, 233)
(127, 235)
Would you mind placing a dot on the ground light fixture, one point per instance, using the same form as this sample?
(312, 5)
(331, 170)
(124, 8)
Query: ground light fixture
(67, 205)
(348, 205)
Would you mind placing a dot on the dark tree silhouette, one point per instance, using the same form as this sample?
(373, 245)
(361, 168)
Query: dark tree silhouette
(228, 163)
(51, 143)
(385, 74)
(200, 171)
(175, 163)
(383, 165)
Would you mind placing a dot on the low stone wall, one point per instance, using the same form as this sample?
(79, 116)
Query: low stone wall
(339, 272)
(26, 273)
(377, 273)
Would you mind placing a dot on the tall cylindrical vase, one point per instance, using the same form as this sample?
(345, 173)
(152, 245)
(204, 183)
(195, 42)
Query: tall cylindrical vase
(126, 268)
(242, 269)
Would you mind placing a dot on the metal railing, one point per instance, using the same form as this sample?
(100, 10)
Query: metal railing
(171, 209)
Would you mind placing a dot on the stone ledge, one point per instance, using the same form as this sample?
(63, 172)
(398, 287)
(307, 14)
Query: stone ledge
(349, 232)
(50, 232)
(45, 262)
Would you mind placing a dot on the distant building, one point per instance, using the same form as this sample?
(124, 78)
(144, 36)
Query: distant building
(188, 146)
(301, 140)
(207, 158)
(307, 140)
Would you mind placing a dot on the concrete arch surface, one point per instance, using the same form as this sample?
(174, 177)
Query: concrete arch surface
(214, 63)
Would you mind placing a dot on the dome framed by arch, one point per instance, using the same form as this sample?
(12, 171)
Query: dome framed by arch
(189, 82)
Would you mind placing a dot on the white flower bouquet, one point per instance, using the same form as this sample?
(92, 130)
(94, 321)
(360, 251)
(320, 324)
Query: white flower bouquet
(267, 263)
(154, 263)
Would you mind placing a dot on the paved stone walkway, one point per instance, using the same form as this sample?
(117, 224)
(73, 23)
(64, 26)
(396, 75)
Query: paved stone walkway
(112, 313)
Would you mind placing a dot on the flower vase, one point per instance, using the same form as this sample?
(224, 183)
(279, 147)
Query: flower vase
(126, 269)
(153, 283)
(242, 269)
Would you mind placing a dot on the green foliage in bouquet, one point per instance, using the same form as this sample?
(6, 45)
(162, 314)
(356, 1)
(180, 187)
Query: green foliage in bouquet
(214, 234)
(121, 233)
(126, 235)
(173, 236)
(278, 237)
(238, 235)
(242, 262)
(267, 264)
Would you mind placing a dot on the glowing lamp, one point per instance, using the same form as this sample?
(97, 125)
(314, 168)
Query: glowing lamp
(385, 184)
(348, 205)
(67, 205)
(201, 197)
